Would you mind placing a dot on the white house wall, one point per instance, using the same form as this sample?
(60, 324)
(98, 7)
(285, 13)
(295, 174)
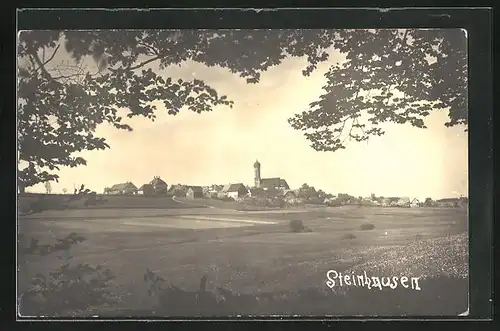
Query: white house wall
(233, 195)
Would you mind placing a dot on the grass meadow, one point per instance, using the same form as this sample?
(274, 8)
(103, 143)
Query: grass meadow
(157, 257)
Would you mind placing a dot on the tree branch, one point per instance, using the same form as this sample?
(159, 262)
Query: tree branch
(80, 72)
(151, 48)
(52, 56)
(144, 63)
(33, 65)
(360, 126)
(337, 136)
(350, 130)
(41, 66)
(68, 76)
(140, 64)
(403, 41)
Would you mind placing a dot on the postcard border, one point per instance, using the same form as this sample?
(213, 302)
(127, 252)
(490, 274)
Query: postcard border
(477, 22)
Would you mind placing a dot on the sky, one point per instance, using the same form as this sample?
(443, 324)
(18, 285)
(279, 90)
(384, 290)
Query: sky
(221, 147)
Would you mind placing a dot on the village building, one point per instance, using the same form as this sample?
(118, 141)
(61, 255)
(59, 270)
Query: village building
(367, 201)
(330, 199)
(275, 183)
(254, 192)
(194, 192)
(403, 202)
(389, 202)
(375, 201)
(159, 186)
(212, 190)
(385, 202)
(235, 191)
(448, 202)
(415, 203)
(146, 189)
(122, 188)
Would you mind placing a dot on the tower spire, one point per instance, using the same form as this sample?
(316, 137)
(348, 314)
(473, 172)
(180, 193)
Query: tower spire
(257, 178)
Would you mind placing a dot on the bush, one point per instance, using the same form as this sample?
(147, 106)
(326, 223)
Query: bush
(296, 226)
(263, 201)
(349, 236)
(258, 201)
(367, 226)
(72, 288)
(315, 201)
(334, 203)
(179, 193)
(47, 203)
(281, 203)
(293, 202)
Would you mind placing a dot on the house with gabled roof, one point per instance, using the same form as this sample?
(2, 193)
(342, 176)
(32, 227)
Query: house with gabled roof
(275, 183)
(212, 191)
(122, 188)
(235, 191)
(403, 202)
(146, 189)
(159, 185)
(389, 201)
(225, 188)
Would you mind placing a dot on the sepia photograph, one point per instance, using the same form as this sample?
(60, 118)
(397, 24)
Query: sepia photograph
(237, 172)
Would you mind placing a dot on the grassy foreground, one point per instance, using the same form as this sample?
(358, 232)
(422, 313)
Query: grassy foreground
(254, 270)
(443, 289)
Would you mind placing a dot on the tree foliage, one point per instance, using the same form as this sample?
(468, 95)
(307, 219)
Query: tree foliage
(48, 187)
(61, 105)
(71, 288)
(397, 76)
(307, 192)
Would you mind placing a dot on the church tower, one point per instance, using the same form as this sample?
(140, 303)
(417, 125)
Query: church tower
(256, 167)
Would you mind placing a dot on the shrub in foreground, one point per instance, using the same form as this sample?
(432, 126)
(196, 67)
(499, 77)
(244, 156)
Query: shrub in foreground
(367, 226)
(349, 236)
(296, 226)
(69, 289)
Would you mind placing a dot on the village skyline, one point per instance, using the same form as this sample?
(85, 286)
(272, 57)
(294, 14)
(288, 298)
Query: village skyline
(170, 185)
(220, 147)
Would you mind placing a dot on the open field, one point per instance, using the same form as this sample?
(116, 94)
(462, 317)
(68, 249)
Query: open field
(65, 201)
(108, 202)
(254, 252)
